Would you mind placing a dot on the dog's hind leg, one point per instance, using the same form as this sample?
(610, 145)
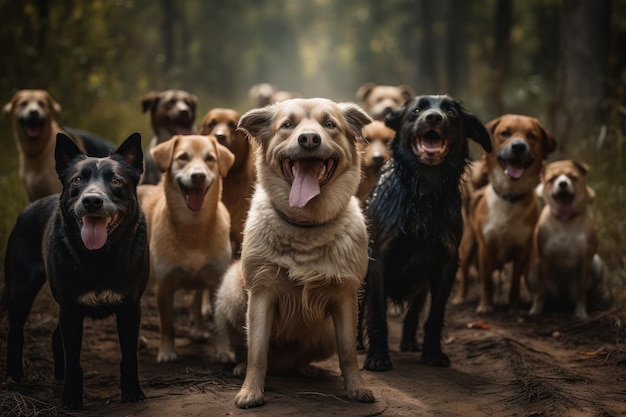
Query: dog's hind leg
(57, 354)
(128, 321)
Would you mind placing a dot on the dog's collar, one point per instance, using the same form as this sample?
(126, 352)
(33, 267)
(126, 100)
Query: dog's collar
(511, 198)
(305, 225)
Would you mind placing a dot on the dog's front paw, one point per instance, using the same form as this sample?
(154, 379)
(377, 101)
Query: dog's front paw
(435, 359)
(72, 402)
(374, 363)
(247, 398)
(199, 334)
(240, 369)
(165, 356)
(484, 308)
(362, 394)
(410, 346)
(133, 395)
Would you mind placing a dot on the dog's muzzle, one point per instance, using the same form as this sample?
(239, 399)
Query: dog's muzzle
(515, 158)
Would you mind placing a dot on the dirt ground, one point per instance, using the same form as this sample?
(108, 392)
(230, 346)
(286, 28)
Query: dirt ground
(502, 365)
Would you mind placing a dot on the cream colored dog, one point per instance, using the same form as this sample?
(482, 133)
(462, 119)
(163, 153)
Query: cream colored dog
(304, 254)
(565, 239)
(189, 227)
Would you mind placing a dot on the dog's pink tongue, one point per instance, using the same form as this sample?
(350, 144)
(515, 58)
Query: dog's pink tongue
(32, 132)
(305, 185)
(514, 171)
(195, 198)
(94, 232)
(564, 209)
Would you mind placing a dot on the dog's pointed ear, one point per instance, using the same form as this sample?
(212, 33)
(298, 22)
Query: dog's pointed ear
(356, 119)
(407, 92)
(364, 91)
(149, 100)
(393, 119)
(8, 108)
(582, 167)
(548, 144)
(225, 158)
(130, 150)
(474, 129)
(53, 103)
(256, 122)
(164, 152)
(64, 152)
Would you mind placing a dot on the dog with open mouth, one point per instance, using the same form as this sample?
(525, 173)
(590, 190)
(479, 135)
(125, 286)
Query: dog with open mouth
(503, 214)
(415, 223)
(304, 250)
(565, 263)
(189, 228)
(91, 244)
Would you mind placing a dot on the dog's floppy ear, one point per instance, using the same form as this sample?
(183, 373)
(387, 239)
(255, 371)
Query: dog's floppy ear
(53, 103)
(548, 144)
(474, 129)
(393, 119)
(64, 153)
(256, 121)
(8, 108)
(163, 153)
(149, 100)
(225, 158)
(356, 118)
(131, 152)
(407, 92)
(364, 91)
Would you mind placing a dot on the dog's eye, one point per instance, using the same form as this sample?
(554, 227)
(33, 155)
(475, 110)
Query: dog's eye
(76, 180)
(212, 124)
(416, 110)
(330, 124)
(286, 125)
(451, 113)
(209, 158)
(183, 157)
(505, 134)
(531, 136)
(116, 182)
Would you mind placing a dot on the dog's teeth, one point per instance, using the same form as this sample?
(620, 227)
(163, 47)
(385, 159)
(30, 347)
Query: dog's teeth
(322, 172)
(293, 170)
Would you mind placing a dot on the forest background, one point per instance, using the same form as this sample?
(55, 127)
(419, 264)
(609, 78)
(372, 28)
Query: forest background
(560, 61)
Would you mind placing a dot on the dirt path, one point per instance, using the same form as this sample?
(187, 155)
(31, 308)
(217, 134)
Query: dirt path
(502, 365)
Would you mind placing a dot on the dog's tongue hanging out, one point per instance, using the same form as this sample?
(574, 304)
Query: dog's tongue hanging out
(94, 232)
(194, 198)
(305, 184)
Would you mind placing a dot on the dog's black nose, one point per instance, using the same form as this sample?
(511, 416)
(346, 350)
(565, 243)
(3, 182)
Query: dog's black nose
(309, 140)
(92, 202)
(434, 118)
(198, 178)
(562, 184)
(518, 147)
(378, 159)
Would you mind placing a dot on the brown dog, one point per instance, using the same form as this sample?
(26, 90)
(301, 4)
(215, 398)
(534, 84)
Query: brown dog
(379, 100)
(188, 227)
(374, 153)
(172, 112)
(263, 94)
(304, 254)
(239, 183)
(503, 213)
(34, 125)
(565, 239)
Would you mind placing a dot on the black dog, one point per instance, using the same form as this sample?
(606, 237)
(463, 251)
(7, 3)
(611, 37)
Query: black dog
(91, 243)
(415, 222)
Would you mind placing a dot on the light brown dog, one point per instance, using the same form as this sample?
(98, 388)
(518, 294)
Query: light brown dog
(304, 254)
(378, 100)
(565, 239)
(374, 153)
(239, 183)
(188, 227)
(172, 112)
(503, 214)
(33, 118)
(263, 94)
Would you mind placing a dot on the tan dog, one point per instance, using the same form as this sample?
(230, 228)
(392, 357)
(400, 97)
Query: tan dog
(172, 112)
(263, 94)
(378, 100)
(304, 253)
(565, 239)
(374, 153)
(239, 183)
(35, 127)
(504, 212)
(189, 227)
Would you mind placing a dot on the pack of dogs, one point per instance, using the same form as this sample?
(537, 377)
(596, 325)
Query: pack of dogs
(298, 224)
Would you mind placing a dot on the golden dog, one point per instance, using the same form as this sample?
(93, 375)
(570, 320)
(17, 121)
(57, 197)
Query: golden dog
(34, 125)
(188, 227)
(374, 153)
(504, 212)
(239, 183)
(304, 254)
(172, 112)
(379, 100)
(565, 239)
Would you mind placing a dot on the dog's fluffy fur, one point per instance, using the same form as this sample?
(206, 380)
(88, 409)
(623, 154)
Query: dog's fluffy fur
(33, 118)
(380, 100)
(189, 227)
(565, 239)
(305, 244)
(91, 244)
(239, 183)
(172, 112)
(503, 214)
(415, 223)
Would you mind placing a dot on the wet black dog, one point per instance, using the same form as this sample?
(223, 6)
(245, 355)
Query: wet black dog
(415, 222)
(91, 244)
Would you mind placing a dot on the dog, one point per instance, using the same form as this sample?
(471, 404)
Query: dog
(374, 154)
(239, 183)
(414, 213)
(263, 94)
(189, 227)
(172, 112)
(503, 214)
(33, 118)
(565, 239)
(304, 252)
(91, 244)
(379, 100)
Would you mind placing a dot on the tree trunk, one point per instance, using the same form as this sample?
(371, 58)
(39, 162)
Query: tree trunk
(499, 67)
